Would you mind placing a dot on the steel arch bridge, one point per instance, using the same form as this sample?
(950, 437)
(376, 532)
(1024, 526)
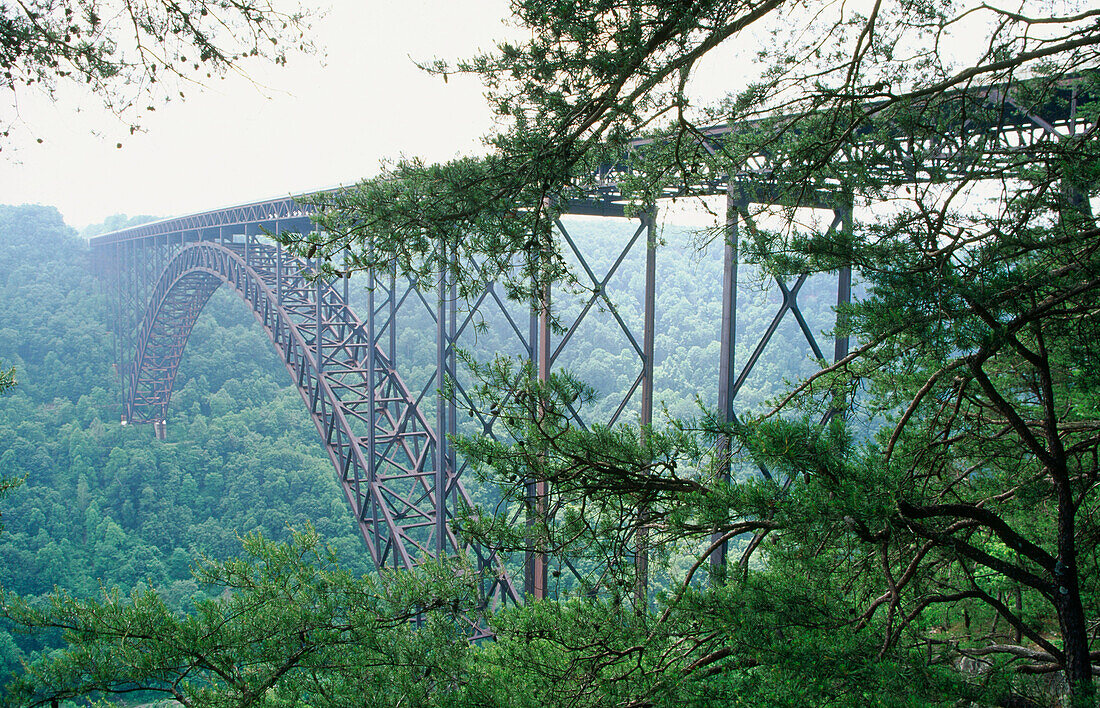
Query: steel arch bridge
(387, 438)
(400, 476)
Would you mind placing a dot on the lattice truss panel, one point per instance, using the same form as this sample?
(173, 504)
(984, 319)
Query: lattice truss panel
(383, 446)
(420, 333)
(981, 132)
(371, 385)
(612, 308)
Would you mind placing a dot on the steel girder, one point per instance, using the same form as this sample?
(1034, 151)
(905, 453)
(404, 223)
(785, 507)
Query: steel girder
(399, 307)
(268, 213)
(381, 444)
(992, 131)
(399, 473)
(390, 456)
(730, 378)
(1006, 133)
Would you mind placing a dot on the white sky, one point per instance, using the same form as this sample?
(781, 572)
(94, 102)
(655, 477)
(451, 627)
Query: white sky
(309, 126)
(316, 123)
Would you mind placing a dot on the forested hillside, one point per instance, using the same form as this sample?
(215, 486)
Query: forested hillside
(104, 506)
(916, 523)
(107, 505)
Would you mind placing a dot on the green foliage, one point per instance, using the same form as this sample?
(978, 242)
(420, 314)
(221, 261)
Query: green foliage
(292, 627)
(103, 505)
(590, 78)
(974, 338)
(133, 54)
(603, 476)
(949, 557)
(286, 625)
(7, 483)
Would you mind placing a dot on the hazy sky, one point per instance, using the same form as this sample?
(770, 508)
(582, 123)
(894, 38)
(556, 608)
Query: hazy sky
(322, 121)
(315, 123)
(319, 122)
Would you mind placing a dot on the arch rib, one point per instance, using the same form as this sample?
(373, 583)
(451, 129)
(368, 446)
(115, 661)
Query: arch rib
(356, 399)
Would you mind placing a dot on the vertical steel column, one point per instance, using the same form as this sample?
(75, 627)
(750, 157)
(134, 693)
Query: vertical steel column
(843, 297)
(391, 352)
(727, 364)
(452, 402)
(347, 277)
(278, 267)
(441, 409)
(533, 355)
(641, 555)
(844, 291)
(318, 292)
(535, 562)
(120, 366)
(533, 336)
(542, 489)
(372, 383)
(130, 288)
(123, 334)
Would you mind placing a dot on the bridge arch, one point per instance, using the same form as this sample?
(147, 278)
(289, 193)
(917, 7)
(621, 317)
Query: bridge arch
(373, 431)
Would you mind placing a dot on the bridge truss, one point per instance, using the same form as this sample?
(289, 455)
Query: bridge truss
(386, 430)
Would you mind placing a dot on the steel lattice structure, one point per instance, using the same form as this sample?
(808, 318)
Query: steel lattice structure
(401, 477)
(381, 430)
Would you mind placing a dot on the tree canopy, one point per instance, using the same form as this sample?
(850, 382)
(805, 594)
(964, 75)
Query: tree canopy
(967, 134)
(950, 553)
(132, 55)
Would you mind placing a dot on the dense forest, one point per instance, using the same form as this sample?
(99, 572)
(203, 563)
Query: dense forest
(103, 505)
(107, 506)
(914, 523)
(233, 531)
(221, 567)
